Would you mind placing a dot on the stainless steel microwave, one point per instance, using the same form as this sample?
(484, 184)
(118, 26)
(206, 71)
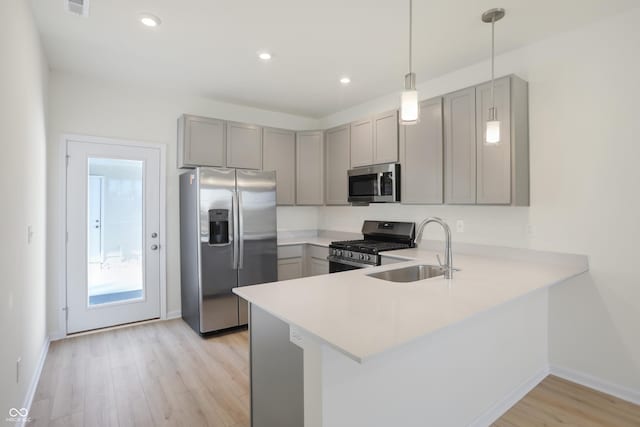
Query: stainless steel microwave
(375, 184)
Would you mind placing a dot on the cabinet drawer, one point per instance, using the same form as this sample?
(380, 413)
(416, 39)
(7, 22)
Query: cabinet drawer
(293, 251)
(318, 251)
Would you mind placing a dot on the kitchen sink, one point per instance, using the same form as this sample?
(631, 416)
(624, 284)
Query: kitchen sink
(410, 274)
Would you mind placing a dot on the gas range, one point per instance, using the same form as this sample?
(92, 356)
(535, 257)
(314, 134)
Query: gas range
(379, 236)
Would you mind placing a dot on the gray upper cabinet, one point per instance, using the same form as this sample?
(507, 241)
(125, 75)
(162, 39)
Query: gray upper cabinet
(279, 154)
(361, 143)
(460, 147)
(201, 141)
(244, 146)
(375, 141)
(503, 168)
(385, 138)
(336, 165)
(309, 168)
(421, 151)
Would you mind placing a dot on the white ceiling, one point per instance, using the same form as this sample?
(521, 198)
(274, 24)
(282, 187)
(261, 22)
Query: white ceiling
(209, 47)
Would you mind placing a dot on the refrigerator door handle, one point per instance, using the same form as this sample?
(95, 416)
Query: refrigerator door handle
(240, 232)
(234, 215)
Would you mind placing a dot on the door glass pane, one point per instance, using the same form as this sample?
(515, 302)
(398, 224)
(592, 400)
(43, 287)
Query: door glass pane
(114, 233)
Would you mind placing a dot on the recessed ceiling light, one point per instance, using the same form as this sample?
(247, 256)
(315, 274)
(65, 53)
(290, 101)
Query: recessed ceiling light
(345, 80)
(149, 20)
(265, 56)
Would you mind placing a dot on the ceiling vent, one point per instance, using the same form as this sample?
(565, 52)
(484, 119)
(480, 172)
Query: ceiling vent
(79, 7)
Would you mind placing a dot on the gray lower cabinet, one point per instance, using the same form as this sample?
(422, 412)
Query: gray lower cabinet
(309, 168)
(503, 168)
(317, 263)
(361, 148)
(337, 155)
(385, 137)
(201, 141)
(279, 154)
(277, 373)
(421, 151)
(244, 146)
(460, 147)
(290, 268)
(291, 262)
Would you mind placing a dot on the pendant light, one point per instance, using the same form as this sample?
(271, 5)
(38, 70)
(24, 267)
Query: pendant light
(409, 106)
(492, 127)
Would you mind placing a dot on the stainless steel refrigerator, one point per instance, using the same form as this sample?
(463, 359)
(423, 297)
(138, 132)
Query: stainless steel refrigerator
(227, 239)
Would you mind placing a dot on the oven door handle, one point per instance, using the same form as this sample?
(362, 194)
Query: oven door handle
(331, 258)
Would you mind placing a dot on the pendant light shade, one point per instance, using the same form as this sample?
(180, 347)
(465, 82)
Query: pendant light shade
(492, 135)
(492, 126)
(409, 106)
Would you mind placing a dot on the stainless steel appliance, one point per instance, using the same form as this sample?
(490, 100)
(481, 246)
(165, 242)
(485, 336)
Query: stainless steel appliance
(378, 236)
(375, 184)
(227, 239)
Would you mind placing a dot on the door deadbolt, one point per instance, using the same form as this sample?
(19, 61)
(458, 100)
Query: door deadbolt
(154, 247)
(154, 235)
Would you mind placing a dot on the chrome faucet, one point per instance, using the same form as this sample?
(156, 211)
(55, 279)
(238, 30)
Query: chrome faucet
(448, 255)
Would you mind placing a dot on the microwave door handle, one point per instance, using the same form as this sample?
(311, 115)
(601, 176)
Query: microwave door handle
(379, 184)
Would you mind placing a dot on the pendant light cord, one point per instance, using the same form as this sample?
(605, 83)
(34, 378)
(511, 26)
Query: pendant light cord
(493, 55)
(410, 33)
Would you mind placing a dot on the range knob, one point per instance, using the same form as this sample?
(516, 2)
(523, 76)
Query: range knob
(363, 257)
(350, 254)
(338, 252)
(368, 257)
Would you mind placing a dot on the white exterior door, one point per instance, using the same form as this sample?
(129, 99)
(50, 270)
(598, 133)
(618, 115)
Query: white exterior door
(113, 226)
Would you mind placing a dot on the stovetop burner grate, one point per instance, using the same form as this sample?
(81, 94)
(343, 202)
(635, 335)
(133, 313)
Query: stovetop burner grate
(371, 246)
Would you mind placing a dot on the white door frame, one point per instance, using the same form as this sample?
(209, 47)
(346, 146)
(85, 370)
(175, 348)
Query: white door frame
(62, 283)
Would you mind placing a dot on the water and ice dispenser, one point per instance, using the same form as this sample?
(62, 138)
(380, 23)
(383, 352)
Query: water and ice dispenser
(218, 226)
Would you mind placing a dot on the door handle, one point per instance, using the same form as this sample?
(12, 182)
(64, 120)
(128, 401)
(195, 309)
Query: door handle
(240, 232)
(154, 247)
(154, 235)
(234, 229)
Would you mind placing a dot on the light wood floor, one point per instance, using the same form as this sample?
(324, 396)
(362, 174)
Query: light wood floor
(162, 373)
(557, 402)
(152, 374)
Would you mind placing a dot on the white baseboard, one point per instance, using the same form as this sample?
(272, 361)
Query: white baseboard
(590, 381)
(33, 385)
(499, 408)
(174, 314)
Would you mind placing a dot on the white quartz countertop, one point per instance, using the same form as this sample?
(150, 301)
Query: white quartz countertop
(362, 316)
(317, 241)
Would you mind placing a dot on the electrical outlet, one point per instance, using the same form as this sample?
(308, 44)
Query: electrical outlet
(18, 370)
(460, 226)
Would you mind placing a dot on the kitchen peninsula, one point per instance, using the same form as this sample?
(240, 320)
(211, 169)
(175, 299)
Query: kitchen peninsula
(434, 352)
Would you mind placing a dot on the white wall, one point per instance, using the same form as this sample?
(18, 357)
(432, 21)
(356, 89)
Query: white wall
(585, 153)
(22, 191)
(83, 105)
